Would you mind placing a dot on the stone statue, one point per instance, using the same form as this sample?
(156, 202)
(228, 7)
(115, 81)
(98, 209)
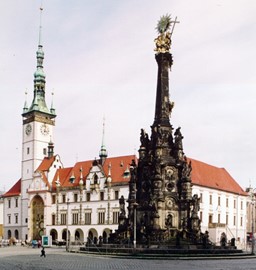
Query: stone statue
(122, 206)
(144, 139)
(186, 171)
(178, 139)
(196, 205)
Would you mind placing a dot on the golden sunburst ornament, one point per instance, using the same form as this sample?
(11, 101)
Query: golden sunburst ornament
(164, 24)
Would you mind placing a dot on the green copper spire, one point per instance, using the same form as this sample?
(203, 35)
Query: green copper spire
(103, 151)
(39, 103)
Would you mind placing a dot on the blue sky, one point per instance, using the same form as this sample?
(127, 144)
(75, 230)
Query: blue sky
(99, 61)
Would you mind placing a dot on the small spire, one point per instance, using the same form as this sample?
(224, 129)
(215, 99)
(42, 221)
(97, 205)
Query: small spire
(103, 151)
(81, 182)
(109, 179)
(57, 182)
(25, 108)
(52, 110)
(40, 26)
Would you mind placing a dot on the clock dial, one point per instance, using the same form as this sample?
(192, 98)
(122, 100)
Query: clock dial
(44, 129)
(28, 129)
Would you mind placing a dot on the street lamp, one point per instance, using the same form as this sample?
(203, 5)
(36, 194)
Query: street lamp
(252, 204)
(67, 237)
(134, 224)
(57, 200)
(81, 185)
(108, 186)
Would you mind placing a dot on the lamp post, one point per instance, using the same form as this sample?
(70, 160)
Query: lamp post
(134, 224)
(252, 204)
(57, 201)
(81, 185)
(67, 238)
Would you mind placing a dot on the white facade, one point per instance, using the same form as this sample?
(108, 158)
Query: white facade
(12, 217)
(222, 211)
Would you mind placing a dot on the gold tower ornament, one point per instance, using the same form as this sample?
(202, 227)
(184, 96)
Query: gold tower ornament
(163, 41)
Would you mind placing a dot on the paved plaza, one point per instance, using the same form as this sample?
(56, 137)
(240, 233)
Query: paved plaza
(57, 258)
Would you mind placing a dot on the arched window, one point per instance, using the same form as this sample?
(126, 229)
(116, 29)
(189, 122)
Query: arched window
(16, 234)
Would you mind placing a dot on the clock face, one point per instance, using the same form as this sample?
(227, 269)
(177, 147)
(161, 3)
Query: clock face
(44, 129)
(28, 129)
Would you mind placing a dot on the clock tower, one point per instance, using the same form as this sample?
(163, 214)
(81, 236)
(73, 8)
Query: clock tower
(38, 125)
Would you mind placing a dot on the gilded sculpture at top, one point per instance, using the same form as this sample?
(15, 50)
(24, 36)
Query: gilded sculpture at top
(163, 41)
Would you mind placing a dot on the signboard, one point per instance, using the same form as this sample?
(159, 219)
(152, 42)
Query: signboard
(46, 240)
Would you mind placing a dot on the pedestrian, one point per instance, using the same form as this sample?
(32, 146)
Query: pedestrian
(43, 252)
(39, 243)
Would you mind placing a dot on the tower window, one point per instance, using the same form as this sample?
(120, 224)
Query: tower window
(45, 151)
(27, 150)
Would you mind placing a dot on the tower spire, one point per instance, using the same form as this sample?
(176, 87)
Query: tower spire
(103, 151)
(40, 26)
(39, 103)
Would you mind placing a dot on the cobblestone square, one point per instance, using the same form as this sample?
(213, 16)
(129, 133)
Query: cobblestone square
(58, 259)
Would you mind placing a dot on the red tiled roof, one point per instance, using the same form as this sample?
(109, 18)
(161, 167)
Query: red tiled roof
(202, 174)
(14, 190)
(46, 164)
(62, 175)
(213, 177)
(118, 166)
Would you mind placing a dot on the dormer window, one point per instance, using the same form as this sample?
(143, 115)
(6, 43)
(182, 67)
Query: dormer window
(72, 178)
(126, 173)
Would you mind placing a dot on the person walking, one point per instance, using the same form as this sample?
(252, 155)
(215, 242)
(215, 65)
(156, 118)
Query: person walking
(43, 252)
